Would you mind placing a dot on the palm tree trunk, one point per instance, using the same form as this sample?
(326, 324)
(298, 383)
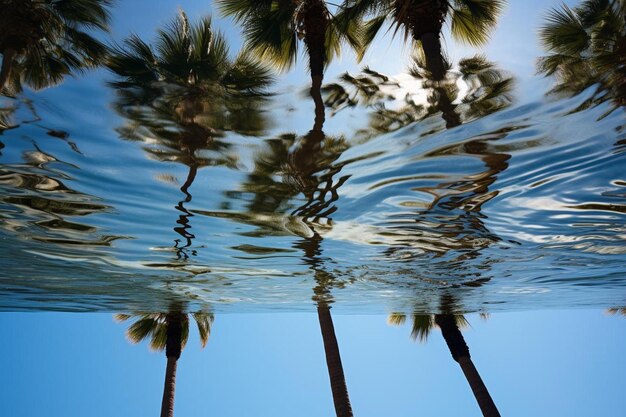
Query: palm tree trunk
(460, 353)
(444, 104)
(173, 348)
(333, 362)
(431, 44)
(485, 402)
(320, 112)
(8, 55)
(316, 24)
(167, 405)
(426, 21)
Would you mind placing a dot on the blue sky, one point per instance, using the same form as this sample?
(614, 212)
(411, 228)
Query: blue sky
(515, 41)
(544, 363)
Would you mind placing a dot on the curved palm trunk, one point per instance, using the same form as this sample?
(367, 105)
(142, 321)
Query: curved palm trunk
(333, 362)
(8, 57)
(460, 353)
(173, 349)
(191, 177)
(452, 118)
(167, 404)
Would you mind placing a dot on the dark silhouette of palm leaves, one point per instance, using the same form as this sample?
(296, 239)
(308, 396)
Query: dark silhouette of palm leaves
(273, 28)
(587, 45)
(621, 311)
(470, 21)
(43, 41)
(153, 327)
(423, 324)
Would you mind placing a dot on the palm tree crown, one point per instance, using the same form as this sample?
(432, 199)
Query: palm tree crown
(470, 20)
(154, 326)
(422, 21)
(42, 41)
(186, 91)
(587, 45)
(450, 325)
(189, 68)
(167, 331)
(274, 27)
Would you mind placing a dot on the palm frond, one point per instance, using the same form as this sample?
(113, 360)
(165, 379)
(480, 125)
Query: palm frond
(421, 326)
(143, 327)
(204, 321)
(472, 20)
(564, 32)
(396, 319)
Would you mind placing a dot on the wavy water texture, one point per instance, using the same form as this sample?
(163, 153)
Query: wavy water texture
(522, 206)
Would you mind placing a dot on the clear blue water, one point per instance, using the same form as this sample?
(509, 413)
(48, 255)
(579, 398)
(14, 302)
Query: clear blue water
(518, 204)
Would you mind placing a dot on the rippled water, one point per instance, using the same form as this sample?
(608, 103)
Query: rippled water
(498, 200)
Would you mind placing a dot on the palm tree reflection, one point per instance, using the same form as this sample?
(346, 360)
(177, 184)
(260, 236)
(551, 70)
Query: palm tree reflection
(422, 22)
(312, 173)
(185, 93)
(487, 89)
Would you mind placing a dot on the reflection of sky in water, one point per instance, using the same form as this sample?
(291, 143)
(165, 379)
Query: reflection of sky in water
(514, 209)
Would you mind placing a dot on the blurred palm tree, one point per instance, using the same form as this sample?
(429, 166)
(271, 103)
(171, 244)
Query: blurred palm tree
(487, 89)
(41, 41)
(184, 92)
(587, 46)
(273, 28)
(422, 21)
(170, 332)
(621, 311)
(450, 325)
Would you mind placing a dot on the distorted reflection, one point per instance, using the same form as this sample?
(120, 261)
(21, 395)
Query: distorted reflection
(477, 89)
(451, 175)
(180, 96)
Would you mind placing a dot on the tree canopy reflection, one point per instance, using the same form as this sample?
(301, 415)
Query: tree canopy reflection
(183, 94)
(478, 88)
